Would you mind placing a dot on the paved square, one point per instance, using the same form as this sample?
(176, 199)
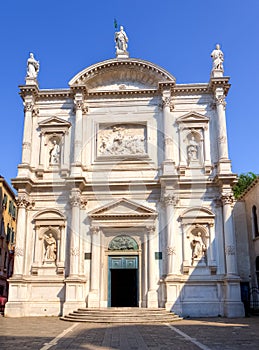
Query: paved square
(190, 334)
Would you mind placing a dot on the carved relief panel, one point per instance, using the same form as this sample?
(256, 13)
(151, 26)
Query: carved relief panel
(121, 140)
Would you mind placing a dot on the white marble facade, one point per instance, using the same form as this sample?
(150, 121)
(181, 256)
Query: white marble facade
(125, 169)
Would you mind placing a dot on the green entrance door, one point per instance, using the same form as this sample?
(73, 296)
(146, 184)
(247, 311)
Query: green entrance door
(123, 281)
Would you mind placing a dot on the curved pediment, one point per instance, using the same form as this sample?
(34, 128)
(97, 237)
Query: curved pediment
(121, 74)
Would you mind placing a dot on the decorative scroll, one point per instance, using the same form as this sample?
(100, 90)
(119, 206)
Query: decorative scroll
(121, 139)
(123, 243)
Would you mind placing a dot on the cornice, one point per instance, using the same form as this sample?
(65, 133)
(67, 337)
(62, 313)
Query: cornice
(220, 82)
(199, 88)
(28, 90)
(122, 92)
(57, 93)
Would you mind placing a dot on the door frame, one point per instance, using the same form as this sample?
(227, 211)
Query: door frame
(123, 261)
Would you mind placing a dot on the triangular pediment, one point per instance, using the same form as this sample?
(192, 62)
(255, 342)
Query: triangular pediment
(123, 208)
(193, 117)
(54, 121)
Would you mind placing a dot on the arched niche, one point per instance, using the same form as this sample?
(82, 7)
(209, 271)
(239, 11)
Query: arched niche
(49, 247)
(198, 238)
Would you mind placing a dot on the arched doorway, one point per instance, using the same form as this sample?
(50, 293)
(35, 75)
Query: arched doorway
(123, 272)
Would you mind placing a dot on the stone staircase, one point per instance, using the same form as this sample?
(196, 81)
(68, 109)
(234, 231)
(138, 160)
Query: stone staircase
(121, 315)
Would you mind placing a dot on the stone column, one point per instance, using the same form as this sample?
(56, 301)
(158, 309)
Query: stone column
(93, 298)
(77, 157)
(74, 233)
(222, 129)
(229, 237)
(233, 306)
(27, 131)
(22, 204)
(152, 299)
(170, 202)
(168, 139)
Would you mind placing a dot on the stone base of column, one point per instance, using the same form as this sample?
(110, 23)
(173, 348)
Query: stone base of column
(15, 309)
(173, 297)
(93, 299)
(224, 166)
(70, 306)
(76, 169)
(168, 168)
(152, 300)
(233, 306)
(75, 294)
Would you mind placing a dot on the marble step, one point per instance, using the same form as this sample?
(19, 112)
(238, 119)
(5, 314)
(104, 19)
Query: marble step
(121, 315)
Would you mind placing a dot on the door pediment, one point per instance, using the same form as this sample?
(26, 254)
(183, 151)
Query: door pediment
(123, 209)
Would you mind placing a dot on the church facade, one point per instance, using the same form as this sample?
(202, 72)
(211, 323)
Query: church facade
(125, 193)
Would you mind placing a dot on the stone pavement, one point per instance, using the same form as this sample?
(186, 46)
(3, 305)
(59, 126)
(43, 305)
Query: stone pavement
(190, 334)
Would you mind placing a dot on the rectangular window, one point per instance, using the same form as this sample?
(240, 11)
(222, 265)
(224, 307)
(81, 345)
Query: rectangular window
(4, 203)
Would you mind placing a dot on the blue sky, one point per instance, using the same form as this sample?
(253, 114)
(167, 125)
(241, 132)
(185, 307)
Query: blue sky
(178, 35)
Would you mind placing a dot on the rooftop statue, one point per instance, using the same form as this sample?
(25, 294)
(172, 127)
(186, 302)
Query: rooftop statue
(218, 58)
(121, 41)
(33, 67)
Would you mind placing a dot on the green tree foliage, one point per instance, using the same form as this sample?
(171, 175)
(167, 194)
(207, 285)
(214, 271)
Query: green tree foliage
(243, 182)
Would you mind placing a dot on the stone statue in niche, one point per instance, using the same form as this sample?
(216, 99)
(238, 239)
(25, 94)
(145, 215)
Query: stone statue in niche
(33, 67)
(198, 246)
(54, 153)
(121, 40)
(218, 58)
(118, 140)
(193, 150)
(50, 245)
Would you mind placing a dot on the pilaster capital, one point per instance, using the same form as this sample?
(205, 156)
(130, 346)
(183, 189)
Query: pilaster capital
(167, 102)
(151, 229)
(35, 112)
(94, 229)
(75, 199)
(28, 106)
(79, 104)
(227, 198)
(83, 202)
(22, 201)
(170, 199)
(221, 100)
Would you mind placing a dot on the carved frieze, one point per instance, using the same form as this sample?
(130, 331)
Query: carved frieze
(171, 251)
(123, 243)
(230, 250)
(121, 139)
(18, 251)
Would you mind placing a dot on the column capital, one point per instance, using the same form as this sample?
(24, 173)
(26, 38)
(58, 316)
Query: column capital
(167, 102)
(227, 198)
(23, 201)
(221, 100)
(151, 229)
(94, 229)
(28, 106)
(75, 198)
(170, 199)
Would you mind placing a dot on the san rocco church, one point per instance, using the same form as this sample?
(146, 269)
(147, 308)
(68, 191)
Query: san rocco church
(125, 193)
